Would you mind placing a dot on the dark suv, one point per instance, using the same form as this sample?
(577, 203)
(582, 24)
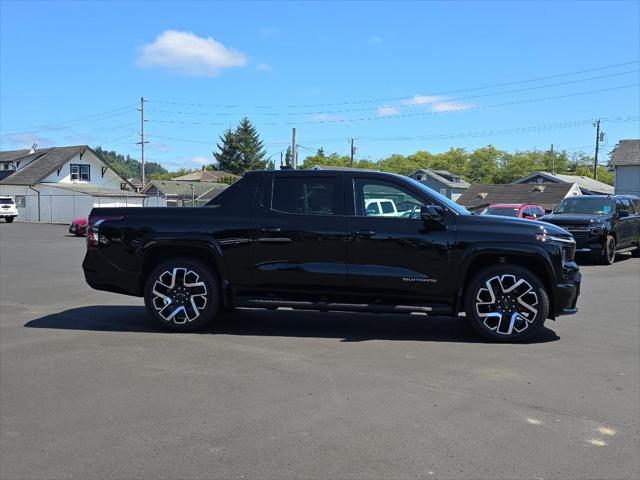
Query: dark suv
(602, 225)
(307, 240)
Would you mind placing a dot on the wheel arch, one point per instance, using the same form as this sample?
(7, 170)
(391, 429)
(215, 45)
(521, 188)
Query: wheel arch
(206, 251)
(529, 258)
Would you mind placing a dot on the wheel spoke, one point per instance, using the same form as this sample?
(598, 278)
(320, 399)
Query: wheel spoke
(506, 304)
(179, 295)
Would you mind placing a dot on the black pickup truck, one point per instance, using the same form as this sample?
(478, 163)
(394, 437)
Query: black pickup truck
(602, 225)
(335, 240)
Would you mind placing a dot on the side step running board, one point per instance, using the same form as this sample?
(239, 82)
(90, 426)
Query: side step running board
(342, 307)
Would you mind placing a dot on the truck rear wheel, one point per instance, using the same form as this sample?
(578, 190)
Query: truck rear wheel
(8, 219)
(506, 303)
(182, 295)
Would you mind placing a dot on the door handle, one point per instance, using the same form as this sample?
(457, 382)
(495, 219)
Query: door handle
(365, 233)
(271, 230)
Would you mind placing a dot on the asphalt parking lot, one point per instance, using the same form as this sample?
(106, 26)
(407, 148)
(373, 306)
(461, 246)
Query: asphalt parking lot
(89, 388)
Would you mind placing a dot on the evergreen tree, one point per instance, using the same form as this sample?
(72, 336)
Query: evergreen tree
(249, 145)
(228, 155)
(288, 158)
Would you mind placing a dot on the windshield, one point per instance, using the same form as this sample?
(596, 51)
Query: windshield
(585, 205)
(6, 201)
(451, 205)
(504, 211)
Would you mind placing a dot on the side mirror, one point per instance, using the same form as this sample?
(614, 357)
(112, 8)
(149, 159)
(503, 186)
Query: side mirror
(623, 213)
(431, 213)
(547, 211)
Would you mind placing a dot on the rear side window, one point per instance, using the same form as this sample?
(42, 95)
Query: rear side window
(304, 195)
(6, 201)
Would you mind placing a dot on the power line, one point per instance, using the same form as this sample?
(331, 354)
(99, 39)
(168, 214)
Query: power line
(418, 114)
(415, 103)
(378, 100)
(87, 119)
(443, 136)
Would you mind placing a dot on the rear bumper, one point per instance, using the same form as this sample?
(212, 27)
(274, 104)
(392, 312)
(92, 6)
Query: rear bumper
(8, 214)
(101, 274)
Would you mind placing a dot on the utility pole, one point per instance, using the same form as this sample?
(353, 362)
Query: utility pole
(553, 160)
(351, 142)
(294, 159)
(595, 160)
(142, 141)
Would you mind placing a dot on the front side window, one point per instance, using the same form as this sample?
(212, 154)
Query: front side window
(380, 198)
(81, 172)
(304, 195)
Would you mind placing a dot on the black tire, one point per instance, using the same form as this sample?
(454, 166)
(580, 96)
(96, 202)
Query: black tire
(488, 317)
(609, 251)
(8, 219)
(193, 291)
(636, 253)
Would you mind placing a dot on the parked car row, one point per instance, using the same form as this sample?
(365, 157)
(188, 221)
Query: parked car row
(602, 225)
(8, 209)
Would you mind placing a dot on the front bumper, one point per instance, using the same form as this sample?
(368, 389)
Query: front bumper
(565, 295)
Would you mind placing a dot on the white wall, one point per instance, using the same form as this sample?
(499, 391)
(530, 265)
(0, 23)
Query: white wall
(58, 205)
(627, 180)
(109, 180)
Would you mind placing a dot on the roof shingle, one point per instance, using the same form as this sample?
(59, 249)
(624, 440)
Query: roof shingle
(627, 152)
(546, 195)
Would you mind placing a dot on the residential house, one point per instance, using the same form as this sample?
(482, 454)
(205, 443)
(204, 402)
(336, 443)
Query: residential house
(59, 184)
(210, 194)
(177, 193)
(588, 186)
(442, 181)
(626, 165)
(546, 195)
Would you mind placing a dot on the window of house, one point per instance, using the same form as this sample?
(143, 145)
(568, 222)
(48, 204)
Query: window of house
(308, 195)
(80, 172)
(21, 201)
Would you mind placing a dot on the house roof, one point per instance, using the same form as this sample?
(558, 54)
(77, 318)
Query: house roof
(213, 192)
(438, 175)
(627, 152)
(585, 183)
(43, 162)
(546, 195)
(205, 176)
(180, 189)
(93, 190)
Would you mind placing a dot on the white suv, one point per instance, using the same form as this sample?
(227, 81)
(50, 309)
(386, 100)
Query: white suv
(8, 209)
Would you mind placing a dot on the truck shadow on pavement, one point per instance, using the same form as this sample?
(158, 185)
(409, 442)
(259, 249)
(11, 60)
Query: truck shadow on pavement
(349, 327)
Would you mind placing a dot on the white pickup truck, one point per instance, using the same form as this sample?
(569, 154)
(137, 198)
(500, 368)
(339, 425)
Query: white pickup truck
(8, 209)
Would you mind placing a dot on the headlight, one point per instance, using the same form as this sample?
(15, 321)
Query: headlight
(597, 230)
(545, 237)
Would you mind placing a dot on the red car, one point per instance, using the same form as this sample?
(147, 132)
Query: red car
(531, 212)
(78, 227)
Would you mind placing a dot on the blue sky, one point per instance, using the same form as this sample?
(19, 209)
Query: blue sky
(399, 77)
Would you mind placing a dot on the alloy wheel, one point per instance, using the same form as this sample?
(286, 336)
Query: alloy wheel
(179, 296)
(507, 304)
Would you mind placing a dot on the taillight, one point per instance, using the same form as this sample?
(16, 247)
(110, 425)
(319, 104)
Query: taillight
(93, 231)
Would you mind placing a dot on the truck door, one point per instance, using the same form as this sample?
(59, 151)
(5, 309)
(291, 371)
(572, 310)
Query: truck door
(397, 258)
(298, 237)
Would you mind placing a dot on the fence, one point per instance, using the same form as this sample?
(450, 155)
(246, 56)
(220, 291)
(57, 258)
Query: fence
(64, 208)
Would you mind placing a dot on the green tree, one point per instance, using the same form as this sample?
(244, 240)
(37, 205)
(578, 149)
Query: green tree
(288, 158)
(228, 155)
(249, 147)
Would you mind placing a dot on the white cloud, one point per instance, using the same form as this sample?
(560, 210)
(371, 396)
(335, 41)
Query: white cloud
(25, 140)
(325, 117)
(449, 107)
(201, 160)
(264, 67)
(185, 52)
(386, 110)
(420, 100)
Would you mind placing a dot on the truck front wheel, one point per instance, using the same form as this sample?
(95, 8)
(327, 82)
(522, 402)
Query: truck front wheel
(182, 295)
(506, 303)
(8, 219)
